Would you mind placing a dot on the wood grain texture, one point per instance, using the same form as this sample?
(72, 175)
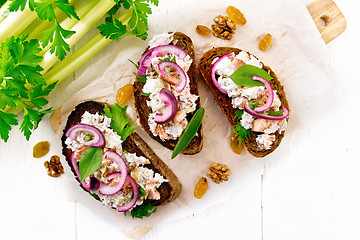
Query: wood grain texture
(328, 19)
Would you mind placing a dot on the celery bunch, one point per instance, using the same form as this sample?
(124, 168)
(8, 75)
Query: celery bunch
(36, 34)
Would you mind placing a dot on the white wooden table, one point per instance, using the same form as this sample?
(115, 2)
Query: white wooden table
(317, 198)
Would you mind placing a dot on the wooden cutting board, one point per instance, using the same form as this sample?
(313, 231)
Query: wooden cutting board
(330, 22)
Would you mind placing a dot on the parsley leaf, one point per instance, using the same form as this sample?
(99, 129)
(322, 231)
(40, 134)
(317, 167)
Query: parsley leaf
(137, 23)
(19, 68)
(143, 210)
(56, 35)
(6, 120)
(120, 123)
(239, 129)
(112, 29)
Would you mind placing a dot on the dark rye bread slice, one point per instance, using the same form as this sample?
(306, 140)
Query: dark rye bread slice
(184, 42)
(169, 191)
(224, 101)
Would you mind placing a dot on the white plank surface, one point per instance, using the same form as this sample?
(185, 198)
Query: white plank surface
(315, 198)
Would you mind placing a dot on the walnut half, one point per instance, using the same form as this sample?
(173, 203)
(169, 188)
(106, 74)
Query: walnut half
(54, 167)
(218, 172)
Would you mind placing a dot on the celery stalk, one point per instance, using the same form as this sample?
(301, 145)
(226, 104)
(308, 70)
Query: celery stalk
(3, 10)
(82, 55)
(81, 28)
(16, 23)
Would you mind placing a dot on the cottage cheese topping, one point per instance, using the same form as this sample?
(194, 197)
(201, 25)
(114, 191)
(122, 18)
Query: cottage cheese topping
(154, 84)
(144, 177)
(240, 96)
(161, 39)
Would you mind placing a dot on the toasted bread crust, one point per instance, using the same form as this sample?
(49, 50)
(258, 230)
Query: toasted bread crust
(143, 111)
(169, 191)
(225, 104)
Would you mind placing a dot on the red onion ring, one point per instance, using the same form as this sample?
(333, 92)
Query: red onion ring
(145, 60)
(285, 111)
(98, 141)
(213, 73)
(270, 93)
(179, 86)
(104, 188)
(170, 109)
(127, 206)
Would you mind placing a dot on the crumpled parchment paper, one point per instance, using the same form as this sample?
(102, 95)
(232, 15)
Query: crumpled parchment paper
(298, 56)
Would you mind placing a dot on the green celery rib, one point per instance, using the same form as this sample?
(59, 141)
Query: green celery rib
(3, 10)
(82, 55)
(16, 23)
(81, 28)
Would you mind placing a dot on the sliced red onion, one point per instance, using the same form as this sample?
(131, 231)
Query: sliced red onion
(179, 85)
(213, 72)
(270, 94)
(98, 138)
(127, 206)
(94, 183)
(285, 111)
(104, 188)
(170, 106)
(145, 60)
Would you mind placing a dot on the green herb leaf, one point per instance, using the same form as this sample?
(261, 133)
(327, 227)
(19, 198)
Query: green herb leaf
(167, 59)
(143, 210)
(239, 129)
(275, 113)
(253, 104)
(87, 138)
(243, 76)
(20, 66)
(56, 35)
(16, 5)
(189, 132)
(112, 29)
(6, 120)
(90, 161)
(120, 123)
(145, 94)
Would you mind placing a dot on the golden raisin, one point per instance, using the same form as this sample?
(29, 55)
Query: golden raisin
(234, 143)
(265, 42)
(203, 30)
(124, 93)
(201, 188)
(236, 15)
(41, 149)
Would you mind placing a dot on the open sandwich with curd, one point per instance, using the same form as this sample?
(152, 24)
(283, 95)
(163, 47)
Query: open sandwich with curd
(166, 90)
(250, 95)
(113, 164)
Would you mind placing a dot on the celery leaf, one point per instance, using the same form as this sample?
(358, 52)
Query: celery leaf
(239, 130)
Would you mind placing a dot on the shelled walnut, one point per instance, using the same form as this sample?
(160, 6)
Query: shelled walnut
(218, 172)
(54, 166)
(224, 27)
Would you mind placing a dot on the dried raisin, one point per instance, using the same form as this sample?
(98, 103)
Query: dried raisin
(201, 188)
(236, 15)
